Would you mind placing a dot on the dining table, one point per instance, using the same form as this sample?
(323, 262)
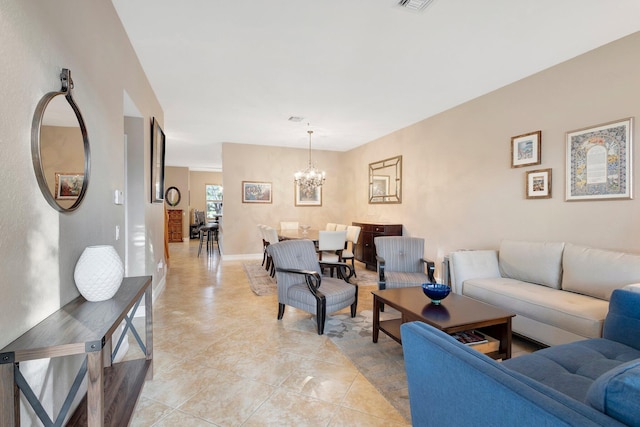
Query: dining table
(298, 234)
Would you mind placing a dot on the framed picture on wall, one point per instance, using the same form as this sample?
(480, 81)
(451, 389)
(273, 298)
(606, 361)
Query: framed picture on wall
(68, 185)
(538, 184)
(256, 192)
(309, 197)
(157, 162)
(526, 149)
(599, 162)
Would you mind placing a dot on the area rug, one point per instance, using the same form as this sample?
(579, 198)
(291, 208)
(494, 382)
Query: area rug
(381, 363)
(259, 280)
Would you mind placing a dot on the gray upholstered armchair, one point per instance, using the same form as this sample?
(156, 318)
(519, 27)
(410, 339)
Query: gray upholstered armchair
(401, 262)
(301, 285)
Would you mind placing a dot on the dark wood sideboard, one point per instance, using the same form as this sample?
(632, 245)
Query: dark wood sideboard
(365, 249)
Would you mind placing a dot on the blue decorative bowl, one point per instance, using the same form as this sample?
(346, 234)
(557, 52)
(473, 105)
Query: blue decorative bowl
(436, 291)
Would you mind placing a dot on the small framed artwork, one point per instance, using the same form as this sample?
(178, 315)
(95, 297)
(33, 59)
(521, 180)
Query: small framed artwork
(256, 192)
(538, 184)
(599, 162)
(526, 149)
(68, 185)
(157, 162)
(312, 197)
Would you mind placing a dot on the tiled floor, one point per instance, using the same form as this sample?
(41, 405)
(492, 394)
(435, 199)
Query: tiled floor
(221, 358)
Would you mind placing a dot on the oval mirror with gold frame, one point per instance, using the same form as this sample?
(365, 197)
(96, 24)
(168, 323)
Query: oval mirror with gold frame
(60, 148)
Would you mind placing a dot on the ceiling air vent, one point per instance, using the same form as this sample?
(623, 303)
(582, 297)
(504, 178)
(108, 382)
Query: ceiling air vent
(415, 4)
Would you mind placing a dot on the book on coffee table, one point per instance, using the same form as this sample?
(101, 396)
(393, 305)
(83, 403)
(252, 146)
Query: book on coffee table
(470, 337)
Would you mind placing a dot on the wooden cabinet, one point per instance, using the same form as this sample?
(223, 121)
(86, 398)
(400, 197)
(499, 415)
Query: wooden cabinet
(365, 249)
(175, 225)
(83, 327)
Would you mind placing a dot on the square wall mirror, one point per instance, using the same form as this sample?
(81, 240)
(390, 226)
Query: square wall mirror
(385, 181)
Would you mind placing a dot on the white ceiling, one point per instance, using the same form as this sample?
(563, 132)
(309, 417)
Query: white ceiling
(356, 70)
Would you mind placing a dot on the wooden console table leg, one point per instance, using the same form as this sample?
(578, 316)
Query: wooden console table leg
(9, 397)
(148, 327)
(95, 389)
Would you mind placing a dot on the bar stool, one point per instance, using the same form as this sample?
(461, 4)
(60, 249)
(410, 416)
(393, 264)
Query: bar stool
(209, 232)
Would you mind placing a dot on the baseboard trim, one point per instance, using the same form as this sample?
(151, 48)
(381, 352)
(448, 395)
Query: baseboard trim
(242, 257)
(155, 293)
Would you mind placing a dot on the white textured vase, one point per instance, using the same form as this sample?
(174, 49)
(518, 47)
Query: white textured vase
(98, 273)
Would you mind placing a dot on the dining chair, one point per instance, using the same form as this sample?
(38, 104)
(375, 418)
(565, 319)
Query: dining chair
(289, 225)
(331, 226)
(271, 236)
(353, 233)
(264, 243)
(301, 284)
(198, 217)
(331, 245)
(340, 227)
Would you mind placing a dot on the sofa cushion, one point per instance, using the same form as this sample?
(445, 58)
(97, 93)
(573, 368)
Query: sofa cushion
(572, 368)
(579, 314)
(535, 262)
(598, 272)
(452, 384)
(617, 393)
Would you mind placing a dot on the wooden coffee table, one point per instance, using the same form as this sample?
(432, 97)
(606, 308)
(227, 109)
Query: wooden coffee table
(455, 313)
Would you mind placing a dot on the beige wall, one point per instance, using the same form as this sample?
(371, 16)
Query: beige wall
(40, 246)
(459, 190)
(276, 165)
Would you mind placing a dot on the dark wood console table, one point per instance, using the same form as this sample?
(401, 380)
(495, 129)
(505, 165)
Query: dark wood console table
(365, 250)
(83, 327)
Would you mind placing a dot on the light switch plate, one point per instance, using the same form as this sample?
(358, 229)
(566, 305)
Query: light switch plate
(118, 197)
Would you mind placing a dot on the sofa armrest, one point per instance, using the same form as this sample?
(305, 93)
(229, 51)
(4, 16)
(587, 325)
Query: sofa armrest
(634, 287)
(623, 319)
(472, 265)
(473, 388)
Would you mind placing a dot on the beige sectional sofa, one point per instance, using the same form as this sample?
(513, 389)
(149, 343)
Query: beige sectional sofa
(559, 291)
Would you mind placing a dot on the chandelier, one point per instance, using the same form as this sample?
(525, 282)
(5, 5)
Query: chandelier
(310, 178)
